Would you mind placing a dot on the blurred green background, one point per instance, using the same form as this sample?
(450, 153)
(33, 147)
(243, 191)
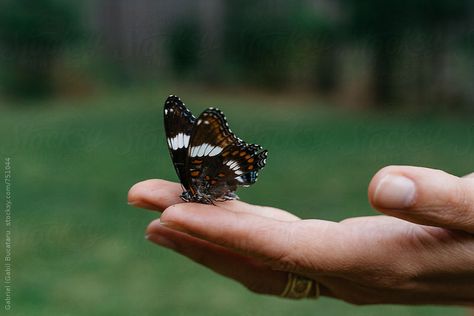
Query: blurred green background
(334, 90)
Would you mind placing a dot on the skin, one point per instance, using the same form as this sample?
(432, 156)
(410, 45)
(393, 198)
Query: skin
(420, 252)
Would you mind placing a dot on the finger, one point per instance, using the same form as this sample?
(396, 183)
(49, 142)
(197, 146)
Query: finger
(469, 175)
(296, 246)
(254, 275)
(265, 211)
(424, 196)
(159, 194)
(155, 194)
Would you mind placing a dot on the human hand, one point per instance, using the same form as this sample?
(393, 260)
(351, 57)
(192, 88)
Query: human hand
(365, 260)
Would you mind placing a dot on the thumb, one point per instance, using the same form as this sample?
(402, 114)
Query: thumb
(424, 196)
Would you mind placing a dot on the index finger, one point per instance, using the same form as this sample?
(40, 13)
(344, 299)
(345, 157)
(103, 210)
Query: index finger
(298, 246)
(158, 195)
(155, 194)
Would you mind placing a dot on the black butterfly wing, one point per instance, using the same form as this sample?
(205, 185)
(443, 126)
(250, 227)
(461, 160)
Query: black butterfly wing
(179, 122)
(218, 161)
(257, 160)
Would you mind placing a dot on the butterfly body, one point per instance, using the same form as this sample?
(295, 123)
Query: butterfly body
(210, 161)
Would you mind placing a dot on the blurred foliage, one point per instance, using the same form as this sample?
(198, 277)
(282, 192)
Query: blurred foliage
(32, 35)
(264, 44)
(183, 46)
(386, 24)
(259, 44)
(361, 53)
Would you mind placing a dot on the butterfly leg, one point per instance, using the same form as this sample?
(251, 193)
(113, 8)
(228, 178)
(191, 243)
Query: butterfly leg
(186, 196)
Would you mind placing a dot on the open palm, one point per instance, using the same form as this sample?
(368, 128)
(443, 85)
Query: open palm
(364, 260)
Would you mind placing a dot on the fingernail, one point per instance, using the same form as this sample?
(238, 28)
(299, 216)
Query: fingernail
(160, 240)
(394, 191)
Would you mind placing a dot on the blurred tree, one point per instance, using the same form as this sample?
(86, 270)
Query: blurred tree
(261, 39)
(32, 34)
(323, 33)
(385, 24)
(183, 46)
(278, 43)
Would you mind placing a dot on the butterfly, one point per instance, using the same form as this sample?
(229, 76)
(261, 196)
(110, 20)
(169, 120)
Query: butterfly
(210, 161)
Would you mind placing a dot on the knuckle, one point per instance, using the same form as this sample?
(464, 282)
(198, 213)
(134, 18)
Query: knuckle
(465, 200)
(460, 203)
(293, 256)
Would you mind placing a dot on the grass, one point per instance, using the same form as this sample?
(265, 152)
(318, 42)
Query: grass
(78, 248)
